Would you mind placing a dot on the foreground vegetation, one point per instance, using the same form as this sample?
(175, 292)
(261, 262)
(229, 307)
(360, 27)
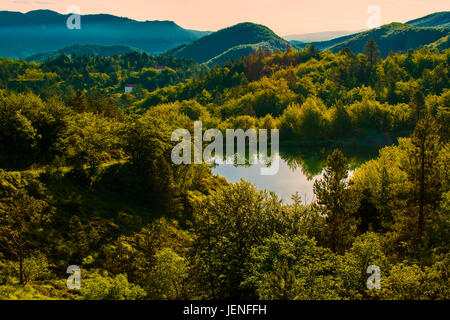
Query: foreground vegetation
(87, 179)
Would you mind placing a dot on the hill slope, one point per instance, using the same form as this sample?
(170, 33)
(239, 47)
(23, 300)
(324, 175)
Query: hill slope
(394, 37)
(442, 44)
(25, 34)
(429, 31)
(438, 19)
(241, 37)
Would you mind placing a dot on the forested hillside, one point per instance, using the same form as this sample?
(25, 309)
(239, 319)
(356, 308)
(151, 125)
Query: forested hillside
(87, 179)
(92, 73)
(80, 49)
(438, 19)
(233, 39)
(394, 37)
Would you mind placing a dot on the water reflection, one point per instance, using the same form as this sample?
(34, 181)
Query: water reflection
(299, 167)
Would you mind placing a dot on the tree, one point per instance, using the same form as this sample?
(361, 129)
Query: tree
(341, 122)
(227, 225)
(292, 267)
(334, 197)
(36, 267)
(78, 238)
(417, 105)
(403, 282)
(281, 284)
(18, 223)
(89, 141)
(368, 213)
(78, 102)
(147, 141)
(423, 173)
(168, 277)
(367, 250)
(372, 52)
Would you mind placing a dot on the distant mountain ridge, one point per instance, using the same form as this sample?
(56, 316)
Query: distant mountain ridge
(243, 38)
(319, 36)
(431, 31)
(25, 34)
(40, 34)
(394, 37)
(323, 45)
(438, 19)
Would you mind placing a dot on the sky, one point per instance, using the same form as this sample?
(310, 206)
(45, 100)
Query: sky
(285, 17)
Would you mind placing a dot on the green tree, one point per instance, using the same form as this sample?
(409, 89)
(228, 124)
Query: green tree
(417, 105)
(168, 278)
(292, 268)
(335, 199)
(36, 267)
(78, 102)
(20, 219)
(341, 125)
(372, 52)
(227, 225)
(89, 141)
(423, 189)
(78, 239)
(281, 284)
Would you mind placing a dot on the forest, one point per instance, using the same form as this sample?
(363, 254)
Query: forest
(86, 178)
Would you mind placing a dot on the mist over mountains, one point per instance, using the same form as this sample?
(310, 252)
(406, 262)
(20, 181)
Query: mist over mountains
(319, 36)
(25, 34)
(38, 35)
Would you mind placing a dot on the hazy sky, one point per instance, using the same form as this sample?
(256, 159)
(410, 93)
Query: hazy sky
(282, 16)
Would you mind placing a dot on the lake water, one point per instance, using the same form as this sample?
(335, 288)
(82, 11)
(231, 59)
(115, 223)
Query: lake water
(299, 167)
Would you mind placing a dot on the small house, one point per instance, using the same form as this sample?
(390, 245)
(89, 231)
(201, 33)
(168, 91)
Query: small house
(129, 88)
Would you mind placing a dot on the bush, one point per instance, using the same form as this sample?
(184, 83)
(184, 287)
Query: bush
(103, 287)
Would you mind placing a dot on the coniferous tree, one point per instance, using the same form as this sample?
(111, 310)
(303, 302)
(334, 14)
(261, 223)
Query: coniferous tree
(372, 52)
(417, 105)
(334, 197)
(423, 173)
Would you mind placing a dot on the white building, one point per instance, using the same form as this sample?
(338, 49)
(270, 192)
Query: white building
(129, 88)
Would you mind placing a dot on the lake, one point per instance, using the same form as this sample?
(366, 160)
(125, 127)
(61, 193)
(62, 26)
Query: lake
(299, 167)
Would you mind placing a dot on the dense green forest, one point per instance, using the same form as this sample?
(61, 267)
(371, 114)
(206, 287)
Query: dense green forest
(86, 178)
(81, 49)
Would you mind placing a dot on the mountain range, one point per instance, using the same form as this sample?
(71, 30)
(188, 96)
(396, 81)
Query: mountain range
(438, 19)
(25, 34)
(318, 36)
(431, 30)
(41, 34)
